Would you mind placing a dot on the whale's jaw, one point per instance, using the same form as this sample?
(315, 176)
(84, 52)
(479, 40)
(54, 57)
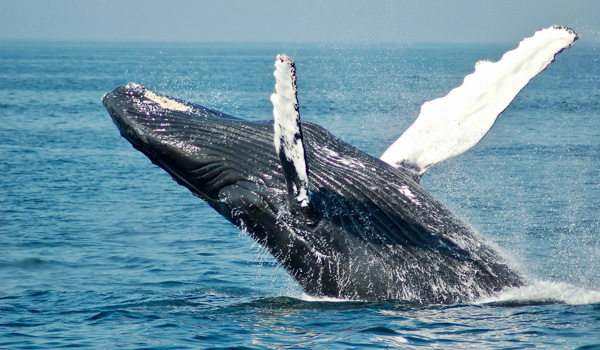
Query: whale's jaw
(190, 142)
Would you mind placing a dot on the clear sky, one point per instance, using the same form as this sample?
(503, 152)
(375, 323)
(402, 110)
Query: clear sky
(294, 21)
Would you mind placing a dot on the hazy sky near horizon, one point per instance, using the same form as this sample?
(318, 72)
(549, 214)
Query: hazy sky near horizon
(294, 21)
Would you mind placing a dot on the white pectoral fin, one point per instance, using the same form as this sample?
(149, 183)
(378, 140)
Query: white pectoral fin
(288, 131)
(450, 125)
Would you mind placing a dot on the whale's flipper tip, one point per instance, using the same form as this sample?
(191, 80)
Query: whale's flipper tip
(570, 33)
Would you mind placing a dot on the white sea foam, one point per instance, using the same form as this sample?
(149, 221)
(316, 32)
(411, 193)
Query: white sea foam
(546, 291)
(309, 298)
(538, 291)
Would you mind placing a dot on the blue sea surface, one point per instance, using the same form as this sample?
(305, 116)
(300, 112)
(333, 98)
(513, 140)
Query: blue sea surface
(101, 249)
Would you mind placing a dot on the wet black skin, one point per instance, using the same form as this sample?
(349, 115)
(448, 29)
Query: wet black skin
(370, 233)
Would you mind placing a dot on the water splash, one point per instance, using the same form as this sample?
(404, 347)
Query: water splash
(545, 292)
(309, 298)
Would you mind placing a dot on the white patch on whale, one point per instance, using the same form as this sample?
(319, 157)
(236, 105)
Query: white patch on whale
(405, 190)
(166, 103)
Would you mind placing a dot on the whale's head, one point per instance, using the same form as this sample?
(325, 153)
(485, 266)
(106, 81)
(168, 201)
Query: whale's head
(219, 158)
(230, 163)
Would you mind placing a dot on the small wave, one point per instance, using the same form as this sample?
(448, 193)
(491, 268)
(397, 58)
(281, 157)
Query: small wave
(545, 292)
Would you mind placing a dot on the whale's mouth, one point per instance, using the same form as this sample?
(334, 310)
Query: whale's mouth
(184, 139)
(211, 153)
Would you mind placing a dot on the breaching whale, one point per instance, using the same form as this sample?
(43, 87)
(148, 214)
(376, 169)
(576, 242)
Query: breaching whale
(342, 223)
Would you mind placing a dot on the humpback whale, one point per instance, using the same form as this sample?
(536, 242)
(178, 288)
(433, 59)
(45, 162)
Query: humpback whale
(342, 223)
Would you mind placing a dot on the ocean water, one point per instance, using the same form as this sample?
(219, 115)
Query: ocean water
(101, 249)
